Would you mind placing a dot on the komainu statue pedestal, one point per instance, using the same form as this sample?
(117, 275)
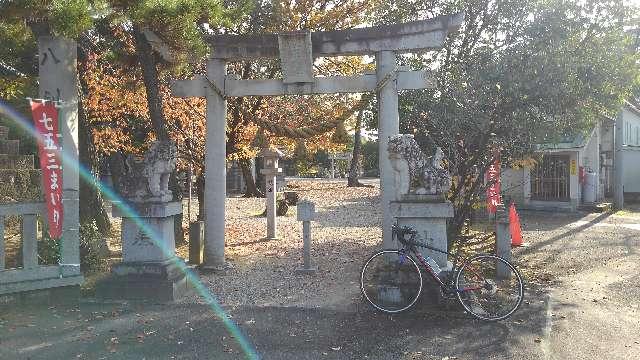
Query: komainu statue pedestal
(149, 269)
(430, 220)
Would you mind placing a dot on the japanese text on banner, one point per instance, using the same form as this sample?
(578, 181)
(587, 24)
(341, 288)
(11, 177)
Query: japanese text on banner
(45, 118)
(493, 191)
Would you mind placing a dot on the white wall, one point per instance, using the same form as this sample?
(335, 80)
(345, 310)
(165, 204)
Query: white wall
(631, 175)
(631, 149)
(630, 127)
(512, 183)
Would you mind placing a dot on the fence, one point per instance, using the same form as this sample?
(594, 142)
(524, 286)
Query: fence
(32, 275)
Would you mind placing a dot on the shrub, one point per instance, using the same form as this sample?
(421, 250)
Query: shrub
(48, 250)
(92, 247)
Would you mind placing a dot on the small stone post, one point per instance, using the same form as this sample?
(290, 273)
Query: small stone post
(270, 171)
(503, 241)
(306, 213)
(196, 242)
(332, 157)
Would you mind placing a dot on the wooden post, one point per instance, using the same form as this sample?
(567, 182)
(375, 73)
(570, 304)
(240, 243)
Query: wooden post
(388, 124)
(215, 167)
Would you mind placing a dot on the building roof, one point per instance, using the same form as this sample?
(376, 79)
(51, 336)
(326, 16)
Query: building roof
(567, 142)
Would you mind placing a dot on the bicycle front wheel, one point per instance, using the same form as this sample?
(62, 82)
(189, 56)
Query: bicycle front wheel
(489, 287)
(391, 281)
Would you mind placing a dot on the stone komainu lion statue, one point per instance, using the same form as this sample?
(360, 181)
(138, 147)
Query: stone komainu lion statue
(147, 179)
(414, 172)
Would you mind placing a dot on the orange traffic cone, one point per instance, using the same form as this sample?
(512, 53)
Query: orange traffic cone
(514, 226)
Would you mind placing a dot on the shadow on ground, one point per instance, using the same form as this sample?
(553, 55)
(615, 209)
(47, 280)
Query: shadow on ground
(193, 331)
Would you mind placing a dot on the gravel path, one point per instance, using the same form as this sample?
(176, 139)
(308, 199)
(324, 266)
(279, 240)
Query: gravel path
(345, 231)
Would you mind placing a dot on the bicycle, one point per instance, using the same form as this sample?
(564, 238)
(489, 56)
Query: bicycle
(487, 286)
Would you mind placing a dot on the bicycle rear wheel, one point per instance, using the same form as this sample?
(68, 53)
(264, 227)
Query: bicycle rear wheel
(391, 281)
(489, 287)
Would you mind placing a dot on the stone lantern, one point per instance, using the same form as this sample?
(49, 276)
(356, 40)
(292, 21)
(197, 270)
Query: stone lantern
(270, 171)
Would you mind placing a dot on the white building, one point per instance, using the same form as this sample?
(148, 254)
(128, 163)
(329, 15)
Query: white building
(579, 170)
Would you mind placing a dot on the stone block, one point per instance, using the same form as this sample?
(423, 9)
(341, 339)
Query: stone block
(11, 147)
(64, 295)
(421, 209)
(18, 162)
(160, 282)
(148, 210)
(20, 185)
(306, 210)
(430, 221)
(147, 239)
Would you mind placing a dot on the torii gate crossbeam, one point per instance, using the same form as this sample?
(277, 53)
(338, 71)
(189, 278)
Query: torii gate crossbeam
(382, 41)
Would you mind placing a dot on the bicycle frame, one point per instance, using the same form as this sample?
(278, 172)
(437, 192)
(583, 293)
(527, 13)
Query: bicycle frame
(421, 259)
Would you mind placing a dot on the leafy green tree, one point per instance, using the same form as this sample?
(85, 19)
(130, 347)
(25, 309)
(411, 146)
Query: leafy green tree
(21, 22)
(518, 72)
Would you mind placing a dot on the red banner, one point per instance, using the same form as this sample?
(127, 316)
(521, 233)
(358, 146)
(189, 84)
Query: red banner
(493, 192)
(45, 119)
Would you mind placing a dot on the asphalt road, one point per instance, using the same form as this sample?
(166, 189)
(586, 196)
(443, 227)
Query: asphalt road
(588, 310)
(594, 312)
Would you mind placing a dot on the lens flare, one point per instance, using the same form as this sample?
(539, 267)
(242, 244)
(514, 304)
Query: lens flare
(208, 297)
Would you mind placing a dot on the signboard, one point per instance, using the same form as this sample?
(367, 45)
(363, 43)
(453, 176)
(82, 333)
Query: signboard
(573, 166)
(295, 57)
(45, 120)
(493, 192)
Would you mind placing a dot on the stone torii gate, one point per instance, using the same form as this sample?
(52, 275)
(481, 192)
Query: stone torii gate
(297, 52)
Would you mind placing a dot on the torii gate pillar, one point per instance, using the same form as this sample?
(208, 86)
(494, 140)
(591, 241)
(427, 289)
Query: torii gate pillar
(215, 185)
(388, 125)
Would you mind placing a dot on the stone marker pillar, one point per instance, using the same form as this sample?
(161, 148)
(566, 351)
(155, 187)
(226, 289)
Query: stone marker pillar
(58, 81)
(149, 269)
(503, 241)
(306, 213)
(270, 172)
(196, 242)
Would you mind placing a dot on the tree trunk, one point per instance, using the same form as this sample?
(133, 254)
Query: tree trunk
(151, 79)
(352, 181)
(177, 219)
(91, 201)
(252, 189)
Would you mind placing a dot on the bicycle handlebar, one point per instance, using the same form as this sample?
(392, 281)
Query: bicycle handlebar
(401, 231)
